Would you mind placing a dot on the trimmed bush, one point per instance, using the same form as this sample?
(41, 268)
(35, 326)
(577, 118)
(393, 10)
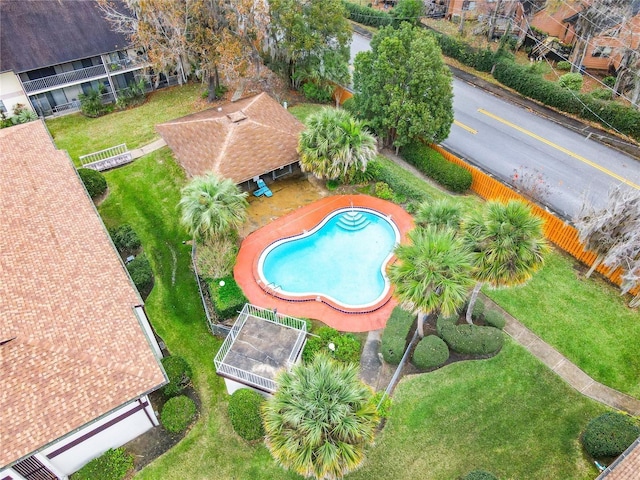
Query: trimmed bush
(564, 65)
(125, 239)
(431, 352)
(141, 274)
(94, 182)
(472, 339)
(399, 180)
(480, 59)
(227, 300)
(177, 413)
(244, 412)
(609, 435)
(434, 165)
(114, 464)
(348, 346)
(179, 373)
(367, 15)
(572, 81)
(395, 335)
(494, 319)
(479, 475)
(478, 308)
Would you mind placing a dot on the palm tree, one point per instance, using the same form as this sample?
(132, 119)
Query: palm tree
(335, 145)
(320, 419)
(433, 272)
(212, 206)
(508, 244)
(443, 213)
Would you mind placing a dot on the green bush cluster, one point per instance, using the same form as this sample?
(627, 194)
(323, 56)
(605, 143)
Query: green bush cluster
(91, 103)
(495, 319)
(601, 93)
(132, 96)
(244, 412)
(621, 117)
(431, 352)
(383, 191)
(609, 434)
(434, 165)
(179, 373)
(367, 15)
(563, 65)
(318, 93)
(480, 59)
(227, 300)
(94, 181)
(125, 239)
(471, 339)
(177, 413)
(114, 464)
(398, 179)
(347, 345)
(395, 335)
(609, 81)
(479, 475)
(571, 81)
(140, 271)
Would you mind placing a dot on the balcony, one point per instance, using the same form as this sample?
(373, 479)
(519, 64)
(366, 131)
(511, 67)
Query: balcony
(75, 76)
(127, 63)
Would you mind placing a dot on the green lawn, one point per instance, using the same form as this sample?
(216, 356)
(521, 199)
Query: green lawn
(80, 135)
(585, 319)
(509, 415)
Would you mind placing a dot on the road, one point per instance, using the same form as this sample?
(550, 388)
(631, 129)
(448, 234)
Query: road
(501, 138)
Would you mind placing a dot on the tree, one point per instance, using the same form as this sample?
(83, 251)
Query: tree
(320, 419)
(212, 206)
(631, 279)
(408, 11)
(315, 33)
(335, 145)
(508, 245)
(433, 272)
(443, 213)
(403, 88)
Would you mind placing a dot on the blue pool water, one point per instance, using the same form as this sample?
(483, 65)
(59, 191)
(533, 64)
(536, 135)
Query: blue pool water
(342, 259)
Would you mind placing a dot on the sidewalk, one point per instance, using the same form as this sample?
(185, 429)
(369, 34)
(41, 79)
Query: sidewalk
(148, 148)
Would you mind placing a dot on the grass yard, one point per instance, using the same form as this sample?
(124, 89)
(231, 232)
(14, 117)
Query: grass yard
(509, 415)
(80, 135)
(585, 319)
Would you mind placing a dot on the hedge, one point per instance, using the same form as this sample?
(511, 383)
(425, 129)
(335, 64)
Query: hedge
(367, 15)
(94, 181)
(495, 319)
(395, 335)
(434, 165)
(480, 59)
(398, 179)
(177, 414)
(179, 373)
(347, 345)
(431, 352)
(471, 339)
(141, 274)
(114, 464)
(244, 413)
(227, 300)
(609, 434)
(125, 239)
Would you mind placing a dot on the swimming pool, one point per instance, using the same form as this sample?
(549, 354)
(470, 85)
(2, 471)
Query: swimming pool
(342, 259)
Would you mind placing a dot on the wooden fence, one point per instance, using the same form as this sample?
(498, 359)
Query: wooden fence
(556, 230)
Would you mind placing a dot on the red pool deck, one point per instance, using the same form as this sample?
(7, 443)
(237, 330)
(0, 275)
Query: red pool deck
(305, 218)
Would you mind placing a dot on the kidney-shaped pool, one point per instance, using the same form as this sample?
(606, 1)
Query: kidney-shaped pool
(342, 259)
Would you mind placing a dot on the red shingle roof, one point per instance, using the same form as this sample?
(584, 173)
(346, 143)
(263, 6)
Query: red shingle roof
(240, 140)
(627, 466)
(74, 349)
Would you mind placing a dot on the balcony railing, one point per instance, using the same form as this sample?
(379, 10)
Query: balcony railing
(64, 78)
(127, 63)
(74, 105)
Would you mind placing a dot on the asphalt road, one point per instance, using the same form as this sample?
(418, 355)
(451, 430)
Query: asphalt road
(501, 138)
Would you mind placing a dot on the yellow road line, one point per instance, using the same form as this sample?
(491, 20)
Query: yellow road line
(562, 149)
(462, 125)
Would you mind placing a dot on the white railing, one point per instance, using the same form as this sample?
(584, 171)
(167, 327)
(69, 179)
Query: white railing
(64, 78)
(66, 107)
(126, 63)
(107, 158)
(104, 154)
(247, 378)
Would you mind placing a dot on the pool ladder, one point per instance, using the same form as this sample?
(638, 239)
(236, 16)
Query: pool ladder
(352, 221)
(271, 288)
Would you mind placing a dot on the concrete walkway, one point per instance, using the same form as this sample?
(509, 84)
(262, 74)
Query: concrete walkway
(148, 148)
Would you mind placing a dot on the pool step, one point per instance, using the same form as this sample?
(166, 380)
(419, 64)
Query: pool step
(352, 221)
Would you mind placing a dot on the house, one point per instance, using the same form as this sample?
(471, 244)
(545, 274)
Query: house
(78, 357)
(240, 140)
(52, 51)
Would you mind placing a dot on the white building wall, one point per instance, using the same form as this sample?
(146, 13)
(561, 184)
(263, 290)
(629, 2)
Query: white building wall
(10, 474)
(11, 92)
(146, 326)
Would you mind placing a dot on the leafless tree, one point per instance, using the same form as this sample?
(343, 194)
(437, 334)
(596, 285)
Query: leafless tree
(630, 279)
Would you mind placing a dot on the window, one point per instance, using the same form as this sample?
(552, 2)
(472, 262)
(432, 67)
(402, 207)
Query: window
(602, 51)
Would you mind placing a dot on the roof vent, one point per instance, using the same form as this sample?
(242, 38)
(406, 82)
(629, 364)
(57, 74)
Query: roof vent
(236, 117)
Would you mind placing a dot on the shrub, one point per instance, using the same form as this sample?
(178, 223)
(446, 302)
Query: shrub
(141, 274)
(399, 180)
(347, 345)
(332, 185)
(495, 319)
(385, 406)
(125, 239)
(94, 181)
(479, 475)
(216, 258)
(572, 81)
(434, 165)
(367, 15)
(383, 191)
(395, 335)
(244, 412)
(564, 65)
(133, 95)
(431, 352)
(601, 94)
(227, 299)
(114, 464)
(478, 309)
(482, 60)
(177, 413)
(91, 103)
(609, 81)
(317, 93)
(179, 373)
(471, 339)
(609, 434)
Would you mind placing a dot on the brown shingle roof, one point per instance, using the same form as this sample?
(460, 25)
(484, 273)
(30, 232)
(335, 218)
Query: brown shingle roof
(626, 467)
(74, 349)
(240, 140)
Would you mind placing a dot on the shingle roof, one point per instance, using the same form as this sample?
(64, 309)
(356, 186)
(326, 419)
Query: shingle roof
(626, 467)
(41, 33)
(73, 348)
(239, 140)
